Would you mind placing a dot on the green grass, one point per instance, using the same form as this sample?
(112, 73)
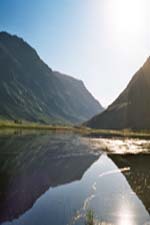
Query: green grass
(121, 133)
(29, 125)
(76, 129)
(89, 218)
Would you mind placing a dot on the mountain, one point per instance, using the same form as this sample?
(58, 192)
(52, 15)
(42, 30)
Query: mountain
(132, 108)
(30, 90)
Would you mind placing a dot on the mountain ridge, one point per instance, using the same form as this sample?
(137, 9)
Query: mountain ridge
(131, 109)
(30, 90)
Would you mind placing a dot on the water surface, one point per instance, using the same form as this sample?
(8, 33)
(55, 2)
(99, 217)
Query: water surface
(51, 178)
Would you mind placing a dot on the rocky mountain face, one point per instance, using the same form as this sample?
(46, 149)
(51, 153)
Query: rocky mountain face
(30, 90)
(132, 108)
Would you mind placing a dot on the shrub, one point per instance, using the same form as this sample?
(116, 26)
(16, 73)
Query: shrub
(89, 218)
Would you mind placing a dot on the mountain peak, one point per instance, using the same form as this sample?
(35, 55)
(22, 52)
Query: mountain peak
(5, 35)
(147, 62)
(30, 90)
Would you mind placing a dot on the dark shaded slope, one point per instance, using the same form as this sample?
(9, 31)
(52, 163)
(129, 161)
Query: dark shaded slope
(74, 94)
(30, 90)
(132, 107)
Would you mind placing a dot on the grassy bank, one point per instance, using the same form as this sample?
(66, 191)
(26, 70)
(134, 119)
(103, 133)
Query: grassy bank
(120, 133)
(28, 125)
(6, 124)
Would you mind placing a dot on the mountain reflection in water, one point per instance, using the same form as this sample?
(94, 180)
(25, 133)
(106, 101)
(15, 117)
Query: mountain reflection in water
(139, 175)
(55, 178)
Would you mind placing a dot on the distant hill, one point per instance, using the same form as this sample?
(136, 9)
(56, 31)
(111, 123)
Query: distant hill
(30, 90)
(132, 108)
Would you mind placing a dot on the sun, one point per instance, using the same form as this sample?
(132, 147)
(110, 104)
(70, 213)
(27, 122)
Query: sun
(128, 16)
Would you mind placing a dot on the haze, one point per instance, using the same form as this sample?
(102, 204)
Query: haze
(102, 42)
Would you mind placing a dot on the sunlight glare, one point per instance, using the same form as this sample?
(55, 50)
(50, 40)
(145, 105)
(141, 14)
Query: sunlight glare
(125, 216)
(127, 19)
(128, 16)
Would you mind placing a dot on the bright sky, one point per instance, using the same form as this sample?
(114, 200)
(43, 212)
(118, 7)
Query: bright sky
(102, 42)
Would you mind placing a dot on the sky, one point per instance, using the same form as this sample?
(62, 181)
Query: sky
(102, 42)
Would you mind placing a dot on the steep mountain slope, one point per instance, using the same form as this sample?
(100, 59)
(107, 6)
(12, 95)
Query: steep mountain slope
(30, 90)
(132, 107)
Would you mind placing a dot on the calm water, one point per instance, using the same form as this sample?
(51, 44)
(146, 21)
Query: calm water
(53, 179)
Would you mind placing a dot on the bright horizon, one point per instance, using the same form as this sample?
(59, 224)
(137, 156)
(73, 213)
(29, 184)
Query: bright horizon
(102, 42)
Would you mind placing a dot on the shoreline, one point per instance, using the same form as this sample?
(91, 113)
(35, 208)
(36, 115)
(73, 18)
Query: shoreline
(93, 133)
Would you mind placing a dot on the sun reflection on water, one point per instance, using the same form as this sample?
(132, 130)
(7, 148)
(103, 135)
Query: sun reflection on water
(125, 216)
(121, 146)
